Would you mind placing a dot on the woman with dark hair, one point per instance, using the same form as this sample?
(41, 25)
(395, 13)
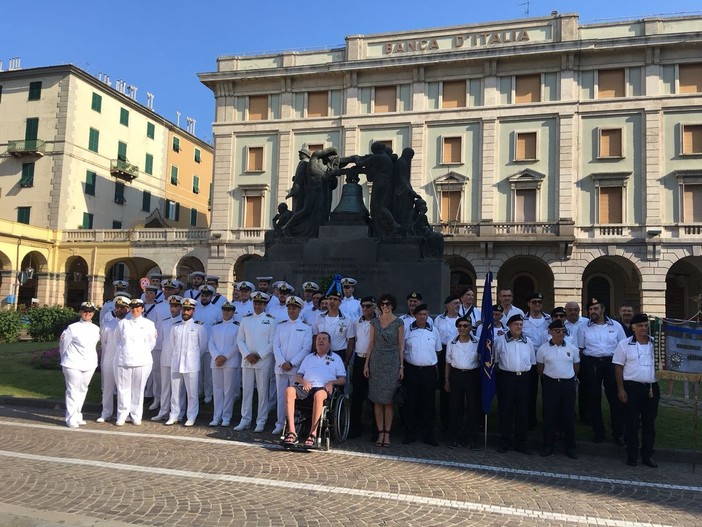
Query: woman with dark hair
(383, 365)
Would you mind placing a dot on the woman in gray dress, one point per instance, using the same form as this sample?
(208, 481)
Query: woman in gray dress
(383, 366)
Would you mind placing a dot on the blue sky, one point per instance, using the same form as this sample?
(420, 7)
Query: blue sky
(160, 46)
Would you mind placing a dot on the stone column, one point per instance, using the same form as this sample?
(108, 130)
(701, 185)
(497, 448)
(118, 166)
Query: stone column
(653, 165)
(567, 170)
(488, 169)
(96, 289)
(7, 282)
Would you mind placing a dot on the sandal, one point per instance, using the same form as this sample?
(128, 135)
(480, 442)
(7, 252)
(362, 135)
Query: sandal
(386, 442)
(381, 438)
(290, 439)
(311, 441)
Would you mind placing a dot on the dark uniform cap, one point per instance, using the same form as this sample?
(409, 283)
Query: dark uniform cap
(450, 299)
(515, 318)
(556, 324)
(639, 318)
(416, 296)
(421, 307)
(498, 308)
(370, 299)
(535, 296)
(558, 310)
(464, 319)
(592, 302)
(334, 293)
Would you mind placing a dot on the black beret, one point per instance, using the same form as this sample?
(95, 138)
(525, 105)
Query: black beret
(421, 307)
(515, 318)
(535, 296)
(556, 324)
(416, 296)
(639, 318)
(450, 299)
(498, 308)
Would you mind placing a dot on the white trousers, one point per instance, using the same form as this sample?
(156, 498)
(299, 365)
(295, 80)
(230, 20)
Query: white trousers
(130, 391)
(165, 408)
(260, 379)
(226, 384)
(77, 383)
(282, 381)
(108, 381)
(156, 375)
(205, 376)
(189, 381)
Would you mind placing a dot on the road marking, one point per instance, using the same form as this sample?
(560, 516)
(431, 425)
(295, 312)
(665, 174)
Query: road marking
(327, 489)
(384, 457)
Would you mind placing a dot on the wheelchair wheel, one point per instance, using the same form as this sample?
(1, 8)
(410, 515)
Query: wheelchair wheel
(341, 418)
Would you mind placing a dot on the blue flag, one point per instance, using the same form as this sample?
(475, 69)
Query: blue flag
(485, 346)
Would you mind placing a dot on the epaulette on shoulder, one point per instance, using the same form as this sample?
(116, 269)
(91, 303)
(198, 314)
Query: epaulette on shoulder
(216, 323)
(200, 322)
(269, 315)
(248, 315)
(178, 322)
(284, 321)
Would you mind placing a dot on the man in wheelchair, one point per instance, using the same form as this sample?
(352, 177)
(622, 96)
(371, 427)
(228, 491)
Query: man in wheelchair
(316, 378)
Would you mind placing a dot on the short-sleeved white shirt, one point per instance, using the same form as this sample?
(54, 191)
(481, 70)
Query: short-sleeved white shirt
(321, 370)
(638, 360)
(515, 355)
(558, 360)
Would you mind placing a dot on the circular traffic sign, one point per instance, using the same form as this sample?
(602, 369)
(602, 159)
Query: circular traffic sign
(144, 282)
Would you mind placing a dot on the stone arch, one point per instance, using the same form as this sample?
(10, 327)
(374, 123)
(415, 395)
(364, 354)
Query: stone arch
(612, 280)
(76, 281)
(35, 267)
(240, 265)
(462, 273)
(6, 278)
(527, 274)
(187, 265)
(131, 269)
(683, 286)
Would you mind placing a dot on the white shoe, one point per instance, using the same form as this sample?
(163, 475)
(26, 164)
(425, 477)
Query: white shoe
(259, 429)
(171, 422)
(190, 422)
(101, 420)
(215, 423)
(159, 417)
(119, 423)
(136, 422)
(225, 423)
(82, 423)
(277, 430)
(154, 405)
(72, 425)
(241, 426)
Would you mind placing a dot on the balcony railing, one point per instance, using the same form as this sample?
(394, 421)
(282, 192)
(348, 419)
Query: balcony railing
(249, 234)
(33, 147)
(123, 169)
(456, 229)
(502, 229)
(135, 235)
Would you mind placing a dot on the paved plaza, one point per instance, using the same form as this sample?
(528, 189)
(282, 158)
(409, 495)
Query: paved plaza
(156, 475)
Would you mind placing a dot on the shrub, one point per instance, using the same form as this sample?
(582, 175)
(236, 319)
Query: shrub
(47, 323)
(47, 360)
(10, 326)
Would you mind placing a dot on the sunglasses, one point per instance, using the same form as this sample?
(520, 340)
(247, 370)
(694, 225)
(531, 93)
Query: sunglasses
(366, 306)
(386, 303)
(559, 315)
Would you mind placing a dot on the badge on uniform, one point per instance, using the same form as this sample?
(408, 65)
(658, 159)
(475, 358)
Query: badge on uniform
(266, 322)
(568, 353)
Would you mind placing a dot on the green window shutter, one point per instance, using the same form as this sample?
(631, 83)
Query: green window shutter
(176, 144)
(97, 102)
(90, 178)
(94, 140)
(149, 164)
(116, 224)
(23, 214)
(124, 116)
(119, 193)
(87, 220)
(34, 91)
(177, 211)
(150, 130)
(197, 155)
(146, 201)
(196, 185)
(174, 175)
(27, 175)
(121, 151)
(193, 217)
(31, 129)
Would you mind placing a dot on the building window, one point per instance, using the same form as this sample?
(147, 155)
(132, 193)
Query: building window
(116, 224)
(690, 78)
(611, 83)
(97, 102)
(172, 210)
(453, 94)
(90, 180)
(610, 143)
(124, 116)
(317, 147)
(196, 185)
(525, 205)
(254, 159)
(94, 140)
(692, 203)
(451, 150)
(318, 104)
(450, 206)
(150, 130)
(149, 164)
(198, 157)
(610, 205)
(23, 215)
(119, 193)
(87, 221)
(525, 146)
(193, 217)
(176, 144)
(253, 206)
(121, 151)
(31, 129)
(258, 107)
(34, 91)
(27, 179)
(174, 175)
(527, 88)
(691, 139)
(385, 99)
(146, 201)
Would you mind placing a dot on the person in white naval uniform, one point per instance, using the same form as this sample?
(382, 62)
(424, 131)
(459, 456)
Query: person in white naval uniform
(155, 281)
(292, 342)
(308, 290)
(278, 308)
(163, 342)
(108, 358)
(244, 305)
(505, 297)
(136, 338)
(255, 340)
(339, 326)
(350, 305)
(78, 348)
(120, 286)
(197, 279)
(226, 366)
(413, 300)
(209, 314)
(467, 307)
(188, 340)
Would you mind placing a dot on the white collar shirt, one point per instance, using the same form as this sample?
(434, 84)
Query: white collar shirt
(242, 309)
(537, 329)
(321, 370)
(256, 336)
(514, 310)
(407, 320)
(340, 328)
(463, 355)
(78, 346)
(164, 334)
(558, 361)
(351, 307)
(446, 326)
(189, 343)
(600, 340)
(637, 359)
(422, 345)
(362, 331)
(136, 338)
(292, 342)
(515, 355)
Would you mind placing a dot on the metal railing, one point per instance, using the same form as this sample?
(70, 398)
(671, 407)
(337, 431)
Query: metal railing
(32, 146)
(117, 166)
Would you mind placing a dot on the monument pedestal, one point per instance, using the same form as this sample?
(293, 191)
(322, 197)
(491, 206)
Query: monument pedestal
(380, 265)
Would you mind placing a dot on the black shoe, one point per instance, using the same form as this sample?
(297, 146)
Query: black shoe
(649, 462)
(455, 444)
(471, 446)
(631, 462)
(431, 440)
(502, 449)
(619, 441)
(571, 453)
(523, 450)
(408, 439)
(598, 437)
(545, 452)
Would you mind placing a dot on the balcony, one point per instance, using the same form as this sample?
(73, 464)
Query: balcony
(123, 170)
(456, 229)
(147, 236)
(33, 147)
(251, 234)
